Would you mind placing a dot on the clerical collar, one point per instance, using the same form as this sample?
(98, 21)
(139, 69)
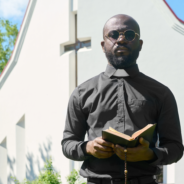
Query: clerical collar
(131, 71)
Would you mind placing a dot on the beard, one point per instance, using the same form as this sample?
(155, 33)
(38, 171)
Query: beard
(124, 61)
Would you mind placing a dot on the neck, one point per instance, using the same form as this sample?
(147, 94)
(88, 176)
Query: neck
(125, 67)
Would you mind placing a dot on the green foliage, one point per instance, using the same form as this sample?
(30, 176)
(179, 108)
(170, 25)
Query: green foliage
(8, 35)
(74, 178)
(48, 176)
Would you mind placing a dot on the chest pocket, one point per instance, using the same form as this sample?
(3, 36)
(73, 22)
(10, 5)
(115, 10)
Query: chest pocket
(141, 106)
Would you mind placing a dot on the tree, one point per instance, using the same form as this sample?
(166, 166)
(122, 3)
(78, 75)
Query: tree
(8, 35)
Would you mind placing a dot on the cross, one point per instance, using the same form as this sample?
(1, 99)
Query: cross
(77, 45)
(64, 48)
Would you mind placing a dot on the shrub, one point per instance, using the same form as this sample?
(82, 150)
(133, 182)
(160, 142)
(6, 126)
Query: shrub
(48, 176)
(74, 178)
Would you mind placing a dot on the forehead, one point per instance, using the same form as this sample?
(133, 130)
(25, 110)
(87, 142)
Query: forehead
(121, 24)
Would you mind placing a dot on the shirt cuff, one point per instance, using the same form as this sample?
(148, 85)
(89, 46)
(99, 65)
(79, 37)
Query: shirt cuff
(159, 156)
(82, 151)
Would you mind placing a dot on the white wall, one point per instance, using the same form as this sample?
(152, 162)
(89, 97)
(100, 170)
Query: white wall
(38, 88)
(3, 161)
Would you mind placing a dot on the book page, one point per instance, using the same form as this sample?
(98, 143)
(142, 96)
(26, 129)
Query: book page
(113, 131)
(137, 133)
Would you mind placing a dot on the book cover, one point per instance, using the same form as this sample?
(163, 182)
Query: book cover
(125, 140)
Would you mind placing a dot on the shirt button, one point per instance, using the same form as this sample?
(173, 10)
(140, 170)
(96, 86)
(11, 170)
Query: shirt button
(120, 120)
(120, 101)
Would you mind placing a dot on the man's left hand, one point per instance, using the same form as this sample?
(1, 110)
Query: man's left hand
(139, 153)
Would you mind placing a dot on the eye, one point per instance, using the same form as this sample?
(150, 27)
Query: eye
(113, 34)
(129, 35)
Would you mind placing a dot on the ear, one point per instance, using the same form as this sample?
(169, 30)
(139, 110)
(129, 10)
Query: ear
(102, 44)
(140, 44)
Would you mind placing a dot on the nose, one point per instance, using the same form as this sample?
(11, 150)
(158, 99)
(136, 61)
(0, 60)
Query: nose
(121, 39)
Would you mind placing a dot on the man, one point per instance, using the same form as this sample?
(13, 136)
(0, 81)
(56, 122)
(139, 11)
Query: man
(126, 100)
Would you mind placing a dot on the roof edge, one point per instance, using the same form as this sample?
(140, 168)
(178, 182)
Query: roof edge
(173, 12)
(16, 42)
(169, 16)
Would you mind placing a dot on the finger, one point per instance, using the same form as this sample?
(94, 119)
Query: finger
(120, 154)
(144, 142)
(119, 149)
(130, 157)
(122, 149)
(103, 154)
(103, 148)
(99, 140)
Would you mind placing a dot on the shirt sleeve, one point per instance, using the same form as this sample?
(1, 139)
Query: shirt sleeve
(75, 129)
(170, 148)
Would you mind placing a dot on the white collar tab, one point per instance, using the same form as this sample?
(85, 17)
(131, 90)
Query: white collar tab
(120, 73)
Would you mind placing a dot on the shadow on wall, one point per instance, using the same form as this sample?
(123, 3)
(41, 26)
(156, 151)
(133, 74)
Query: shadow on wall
(11, 165)
(30, 172)
(45, 150)
(45, 153)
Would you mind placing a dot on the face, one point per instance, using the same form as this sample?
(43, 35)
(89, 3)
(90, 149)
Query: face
(121, 53)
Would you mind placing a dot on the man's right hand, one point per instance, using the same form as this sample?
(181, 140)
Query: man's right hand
(100, 148)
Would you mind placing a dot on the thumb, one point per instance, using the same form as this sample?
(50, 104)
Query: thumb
(143, 142)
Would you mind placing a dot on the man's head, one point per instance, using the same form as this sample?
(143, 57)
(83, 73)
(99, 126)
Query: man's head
(121, 52)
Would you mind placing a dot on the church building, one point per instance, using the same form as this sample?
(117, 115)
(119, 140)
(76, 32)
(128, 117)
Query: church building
(58, 48)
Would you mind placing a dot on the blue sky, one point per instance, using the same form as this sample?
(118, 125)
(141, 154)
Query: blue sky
(13, 10)
(178, 7)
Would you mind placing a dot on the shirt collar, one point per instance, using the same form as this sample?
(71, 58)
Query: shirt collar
(131, 71)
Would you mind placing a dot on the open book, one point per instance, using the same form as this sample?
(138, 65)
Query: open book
(116, 137)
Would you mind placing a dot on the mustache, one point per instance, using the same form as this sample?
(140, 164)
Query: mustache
(117, 47)
(121, 47)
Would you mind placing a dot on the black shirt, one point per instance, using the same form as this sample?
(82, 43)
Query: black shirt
(126, 104)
